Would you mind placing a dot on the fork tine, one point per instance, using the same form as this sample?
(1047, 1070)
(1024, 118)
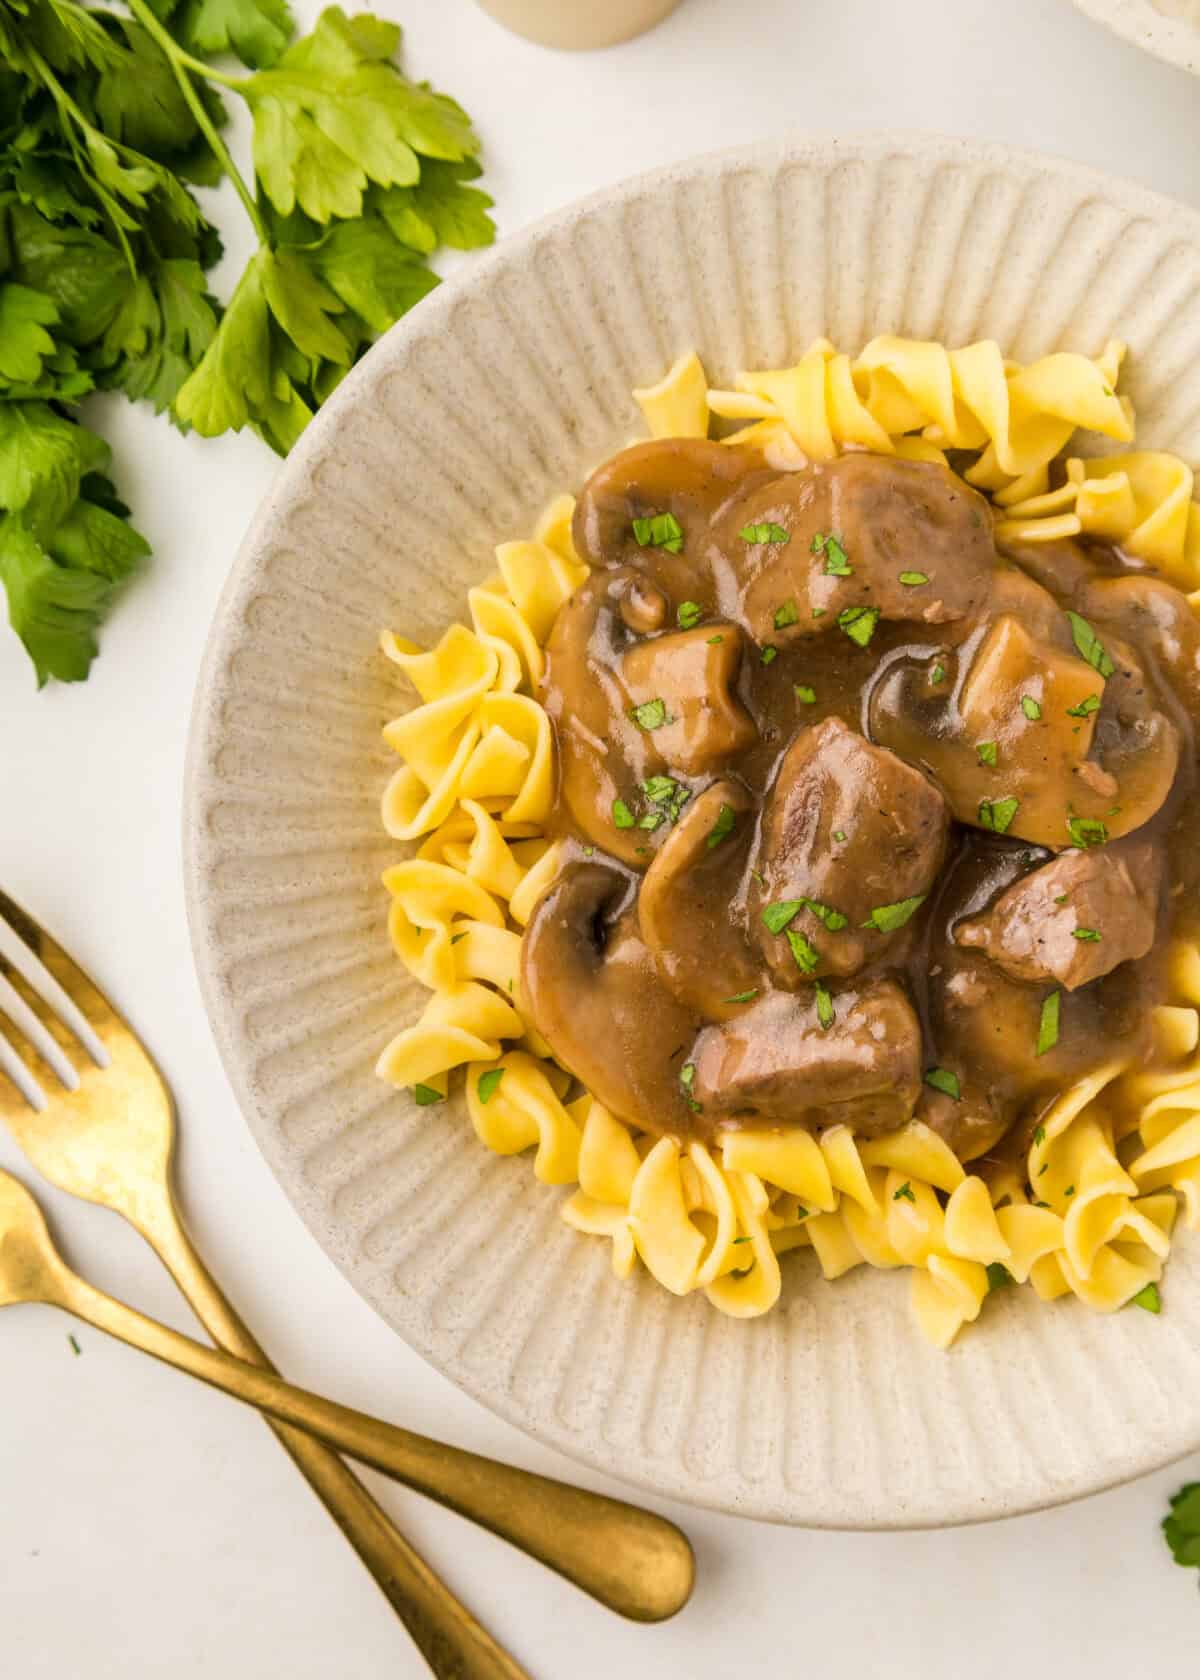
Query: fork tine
(12, 1065)
(20, 953)
(25, 1021)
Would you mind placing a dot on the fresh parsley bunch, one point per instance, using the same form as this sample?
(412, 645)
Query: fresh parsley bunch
(1182, 1528)
(108, 121)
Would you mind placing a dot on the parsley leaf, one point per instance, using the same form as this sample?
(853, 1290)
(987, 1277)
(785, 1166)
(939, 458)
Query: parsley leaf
(768, 654)
(836, 562)
(938, 674)
(1086, 832)
(621, 814)
(1047, 1036)
(1181, 1529)
(997, 814)
(989, 752)
(914, 580)
(425, 1095)
(488, 1082)
(1085, 708)
(785, 615)
(651, 714)
(724, 825)
(904, 1194)
(807, 696)
(256, 30)
(886, 918)
(1090, 646)
(1091, 935)
(742, 997)
(943, 1080)
(807, 956)
(659, 530)
(1148, 1299)
(688, 615)
(859, 623)
(764, 533)
(777, 916)
(825, 1015)
(1031, 708)
(833, 919)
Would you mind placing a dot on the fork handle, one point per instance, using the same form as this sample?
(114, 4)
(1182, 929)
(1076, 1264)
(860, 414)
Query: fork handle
(631, 1560)
(453, 1643)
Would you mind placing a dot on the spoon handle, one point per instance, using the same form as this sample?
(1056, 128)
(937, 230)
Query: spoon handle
(631, 1560)
(453, 1643)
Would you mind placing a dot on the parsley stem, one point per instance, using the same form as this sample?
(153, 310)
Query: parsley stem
(72, 119)
(181, 63)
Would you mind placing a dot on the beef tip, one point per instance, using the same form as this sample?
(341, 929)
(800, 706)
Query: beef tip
(851, 829)
(1074, 919)
(687, 677)
(916, 542)
(777, 1063)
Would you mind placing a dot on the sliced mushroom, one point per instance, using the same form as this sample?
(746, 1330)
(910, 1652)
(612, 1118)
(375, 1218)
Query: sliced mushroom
(686, 906)
(680, 687)
(596, 997)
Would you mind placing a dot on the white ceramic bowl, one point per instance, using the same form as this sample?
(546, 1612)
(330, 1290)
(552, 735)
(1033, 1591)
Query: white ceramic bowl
(501, 389)
(1170, 29)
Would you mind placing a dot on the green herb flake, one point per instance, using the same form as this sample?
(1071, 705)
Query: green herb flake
(660, 789)
(688, 614)
(1090, 646)
(1085, 708)
(1181, 1529)
(764, 532)
(488, 1083)
(738, 1240)
(785, 615)
(652, 820)
(589, 851)
(944, 1081)
(621, 814)
(996, 815)
(659, 530)
(75, 1347)
(1047, 1036)
(818, 612)
(938, 674)
(824, 1006)
(1148, 1299)
(651, 714)
(1087, 832)
(426, 1095)
(768, 654)
(715, 641)
(859, 624)
(1068, 1192)
(887, 918)
(904, 1194)
(1039, 1136)
(687, 1075)
(818, 542)
(839, 834)
(1031, 708)
(1091, 936)
(742, 997)
(807, 696)
(724, 826)
(989, 752)
(455, 937)
(777, 916)
(825, 913)
(836, 562)
(1062, 898)
(913, 580)
(998, 1276)
(807, 956)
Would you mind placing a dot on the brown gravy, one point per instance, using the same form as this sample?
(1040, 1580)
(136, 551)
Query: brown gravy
(829, 687)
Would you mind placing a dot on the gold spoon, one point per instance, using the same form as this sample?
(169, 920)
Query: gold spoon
(106, 1133)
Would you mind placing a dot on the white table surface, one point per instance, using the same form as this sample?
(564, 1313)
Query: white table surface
(149, 1527)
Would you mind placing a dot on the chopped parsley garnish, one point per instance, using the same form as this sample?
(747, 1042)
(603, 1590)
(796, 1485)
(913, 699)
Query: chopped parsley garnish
(660, 530)
(1091, 935)
(836, 563)
(818, 612)
(1086, 832)
(759, 877)
(687, 1075)
(989, 752)
(424, 1095)
(1148, 1299)
(998, 1276)
(807, 696)
(660, 789)
(651, 714)
(997, 814)
(818, 542)
(839, 834)
(1090, 646)
(905, 1194)
(688, 614)
(913, 580)
(742, 997)
(1182, 1528)
(764, 532)
(944, 1081)
(833, 919)
(1086, 707)
(589, 851)
(886, 918)
(785, 615)
(652, 820)
(1068, 1192)
(671, 796)
(807, 956)
(724, 825)
(75, 1347)
(1031, 708)
(1039, 1136)
(455, 937)
(738, 1240)
(778, 915)
(859, 624)
(767, 654)
(1047, 1036)
(1062, 898)
(938, 674)
(824, 1006)
(622, 815)
(715, 641)
(488, 1083)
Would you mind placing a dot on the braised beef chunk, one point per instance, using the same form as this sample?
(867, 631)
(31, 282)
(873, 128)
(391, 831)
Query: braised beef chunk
(596, 996)
(1074, 919)
(777, 1064)
(856, 834)
(908, 539)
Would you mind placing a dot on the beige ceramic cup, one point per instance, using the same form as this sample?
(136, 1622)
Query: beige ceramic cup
(579, 23)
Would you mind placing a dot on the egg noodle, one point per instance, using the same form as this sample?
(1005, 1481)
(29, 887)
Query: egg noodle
(1093, 1213)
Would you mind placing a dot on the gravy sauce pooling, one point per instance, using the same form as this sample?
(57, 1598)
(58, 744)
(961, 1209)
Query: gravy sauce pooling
(864, 819)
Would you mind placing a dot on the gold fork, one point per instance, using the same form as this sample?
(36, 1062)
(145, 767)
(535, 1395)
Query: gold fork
(105, 1132)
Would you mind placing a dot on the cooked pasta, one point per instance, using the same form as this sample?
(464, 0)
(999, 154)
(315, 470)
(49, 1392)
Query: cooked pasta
(1091, 1210)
